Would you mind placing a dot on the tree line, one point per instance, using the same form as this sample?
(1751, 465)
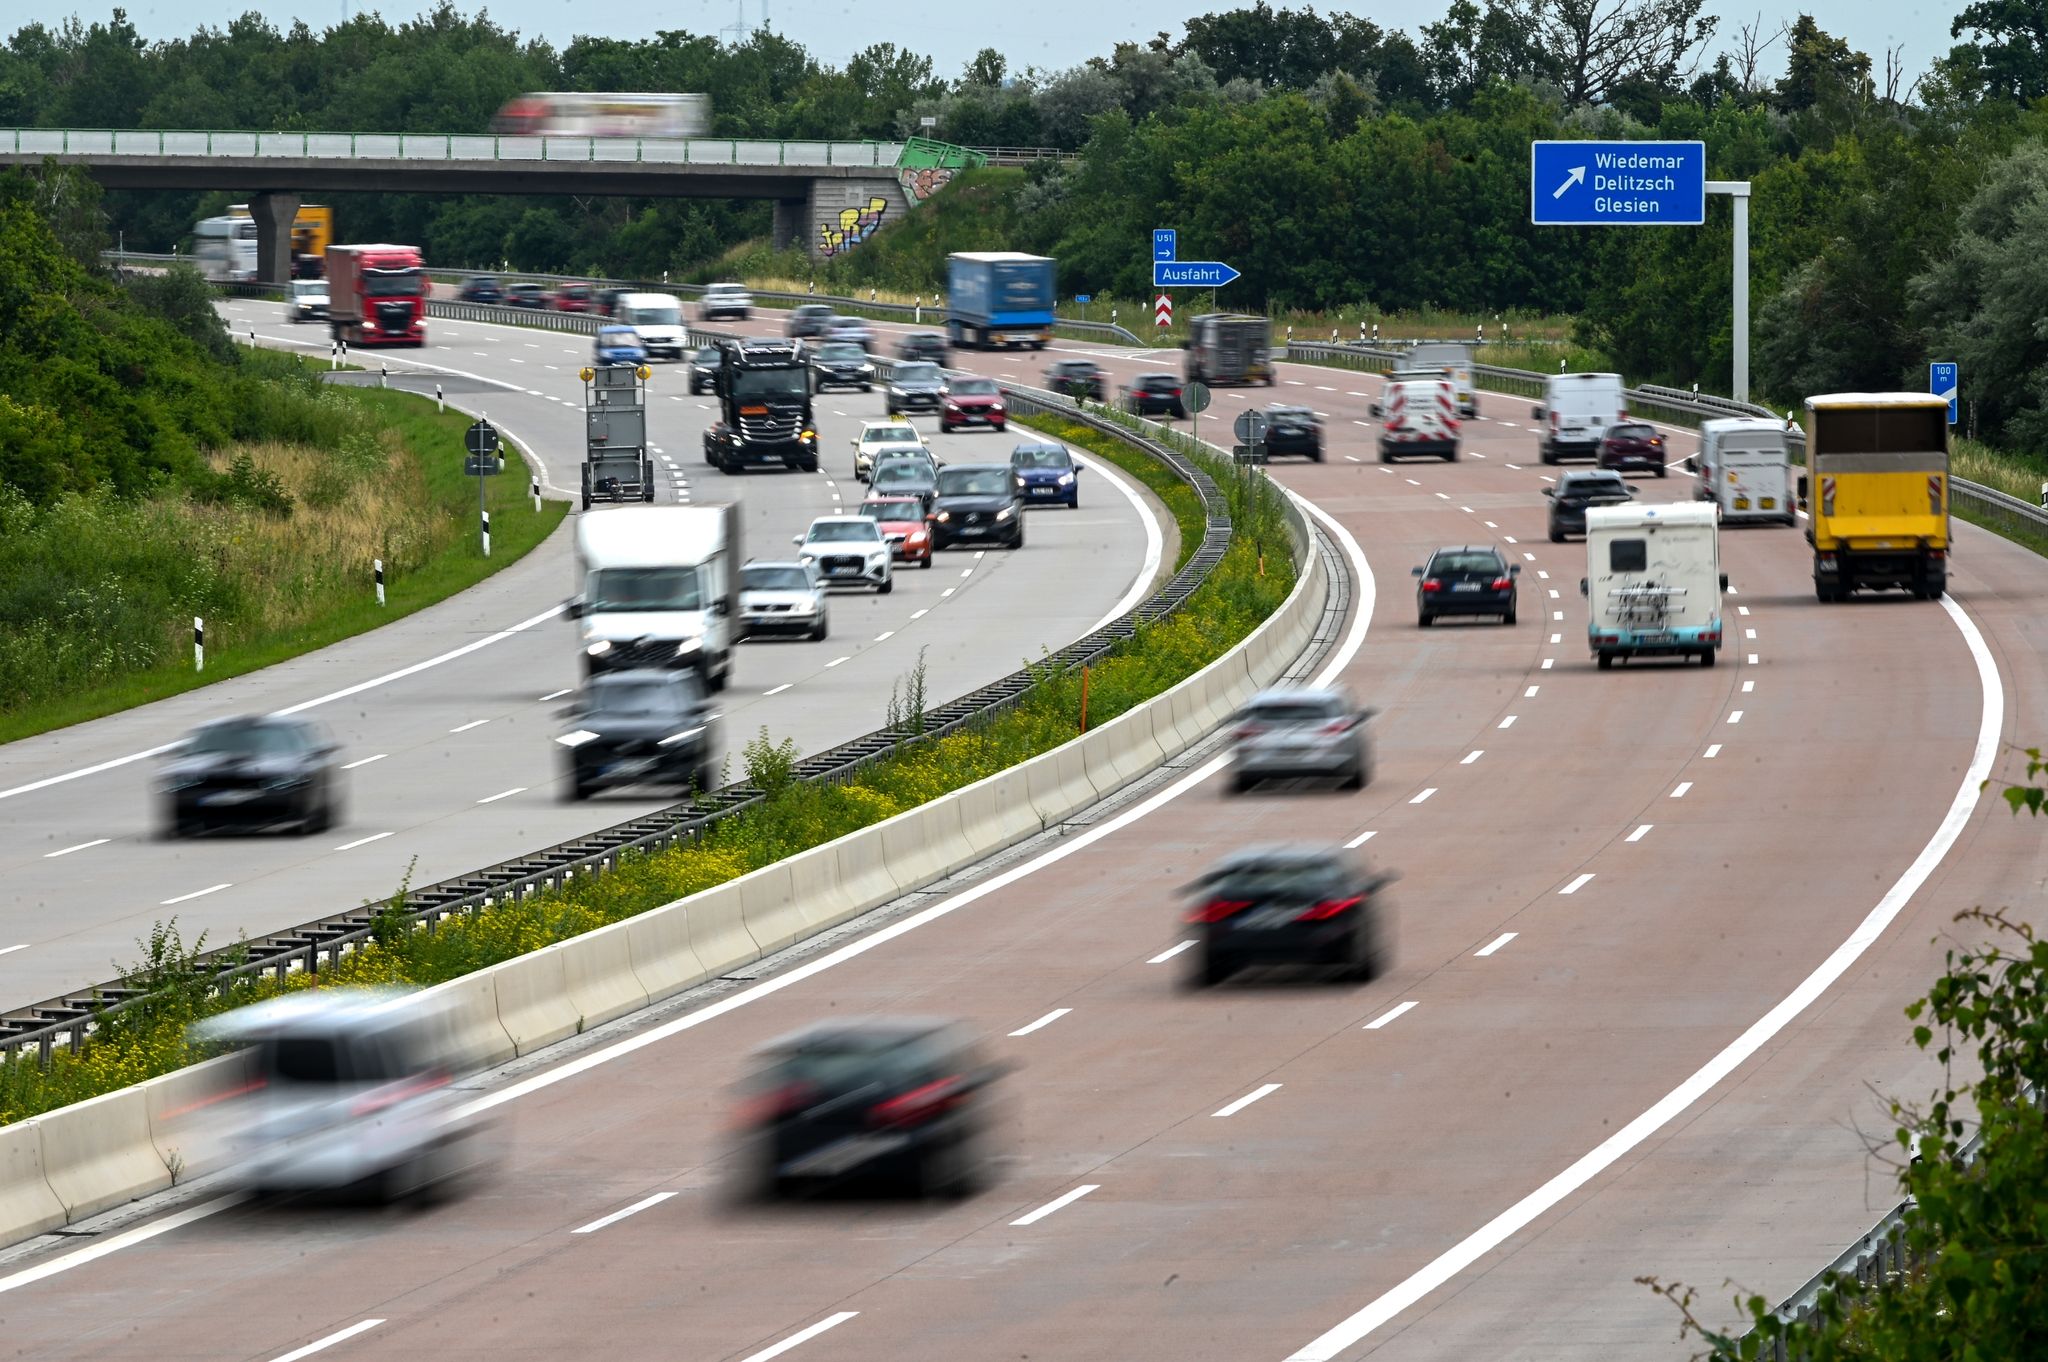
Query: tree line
(1334, 162)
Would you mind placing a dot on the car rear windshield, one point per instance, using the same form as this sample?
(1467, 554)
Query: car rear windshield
(708, 355)
(1600, 487)
(1158, 382)
(974, 482)
(1280, 880)
(331, 1059)
(1466, 562)
(917, 373)
(1632, 433)
(974, 387)
(1294, 710)
(1042, 456)
(853, 1061)
(1290, 413)
(844, 532)
(246, 740)
(774, 579)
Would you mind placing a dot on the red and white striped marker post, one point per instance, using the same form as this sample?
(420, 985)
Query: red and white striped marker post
(1162, 311)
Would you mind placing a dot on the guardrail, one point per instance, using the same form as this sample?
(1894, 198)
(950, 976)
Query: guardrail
(400, 146)
(70, 1019)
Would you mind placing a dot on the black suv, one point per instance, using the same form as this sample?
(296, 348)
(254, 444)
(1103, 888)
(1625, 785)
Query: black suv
(808, 319)
(704, 367)
(1154, 395)
(977, 503)
(255, 771)
(1294, 430)
(1290, 905)
(1575, 492)
(1470, 580)
(898, 1099)
(839, 364)
(527, 295)
(482, 289)
(1076, 378)
(916, 386)
(640, 727)
(926, 345)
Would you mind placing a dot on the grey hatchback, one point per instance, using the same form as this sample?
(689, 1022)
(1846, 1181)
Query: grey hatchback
(1300, 733)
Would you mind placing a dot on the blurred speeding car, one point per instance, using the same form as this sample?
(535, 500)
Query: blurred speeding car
(1314, 733)
(640, 727)
(1294, 430)
(1290, 905)
(851, 330)
(1154, 395)
(971, 402)
(808, 319)
(704, 367)
(1077, 378)
(252, 771)
(1046, 471)
(348, 1089)
(837, 364)
(526, 294)
(897, 1100)
(619, 345)
(926, 345)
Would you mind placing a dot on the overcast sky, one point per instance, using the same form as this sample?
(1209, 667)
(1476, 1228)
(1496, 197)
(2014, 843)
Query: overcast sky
(1046, 33)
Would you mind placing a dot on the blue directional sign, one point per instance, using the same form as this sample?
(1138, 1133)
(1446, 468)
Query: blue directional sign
(1191, 274)
(1084, 297)
(1617, 184)
(1165, 243)
(1942, 381)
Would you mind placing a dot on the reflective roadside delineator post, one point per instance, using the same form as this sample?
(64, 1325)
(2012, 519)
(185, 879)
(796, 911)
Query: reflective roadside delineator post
(198, 644)
(439, 403)
(383, 375)
(377, 565)
(533, 486)
(487, 530)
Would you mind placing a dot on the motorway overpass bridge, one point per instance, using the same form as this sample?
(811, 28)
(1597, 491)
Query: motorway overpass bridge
(828, 195)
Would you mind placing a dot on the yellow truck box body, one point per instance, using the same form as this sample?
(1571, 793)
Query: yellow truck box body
(1877, 490)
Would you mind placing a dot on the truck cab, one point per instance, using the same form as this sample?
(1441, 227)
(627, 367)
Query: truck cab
(1653, 582)
(1744, 468)
(377, 295)
(764, 402)
(1227, 349)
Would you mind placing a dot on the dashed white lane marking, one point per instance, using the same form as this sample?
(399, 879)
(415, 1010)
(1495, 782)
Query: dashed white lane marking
(1424, 795)
(1508, 722)
(1491, 526)
(1713, 750)
(322, 1344)
(1576, 885)
(1049, 1207)
(837, 660)
(1360, 840)
(1557, 638)
(1557, 614)
(966, 572)
(82, 846)
(9, 950)
(502, 794)
(1742, 610)
(1749, 633)
(556, 694)
(1682, 787)
(363, 841)
(1735, 716)
(1169, 953)
(1047, 1020)
(1639, 833)
(1413, 483)
(1530, 694)
(1490, 947)
(1517, 467)
(1231, 1109)
(473, 723)
(1471, 757)
(197, 893)
(885, 636)
(1445, 495)
(1510, 539)
(1396, 1010)
(1748, 686)
(365, 761)
(1351, 458)
(947, 592)
(616, 1216)
(1468, 510)
(1547, 661)
(1752, 659)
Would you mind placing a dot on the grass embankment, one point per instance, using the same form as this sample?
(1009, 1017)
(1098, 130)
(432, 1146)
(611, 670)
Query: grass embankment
(148, 1040)
(97, 591)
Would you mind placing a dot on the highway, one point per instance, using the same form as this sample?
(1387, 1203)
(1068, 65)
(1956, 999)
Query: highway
(447, 716)
(1586, 1064)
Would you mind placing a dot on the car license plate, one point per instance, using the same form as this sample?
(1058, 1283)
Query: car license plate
(845, 572)
(219, 797)
(1770, 503)
(974, 529)
(1268, 918)
(1043, 491)
(1464, 586)
(1742, 503)
(631, 766)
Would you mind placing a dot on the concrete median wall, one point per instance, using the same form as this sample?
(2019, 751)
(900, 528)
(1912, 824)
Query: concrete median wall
(76, 1162)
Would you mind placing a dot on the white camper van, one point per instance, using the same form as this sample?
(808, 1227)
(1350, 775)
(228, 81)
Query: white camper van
(658, 586)
(658, 317)
(1454, 360)
(1576, 411)
(1653, 582)
(1745, 470)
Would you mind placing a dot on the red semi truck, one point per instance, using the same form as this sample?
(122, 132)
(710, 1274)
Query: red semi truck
(377, 295)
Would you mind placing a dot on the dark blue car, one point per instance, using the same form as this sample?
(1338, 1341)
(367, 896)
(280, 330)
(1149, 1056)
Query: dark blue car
(1047, 474)
(620, 345)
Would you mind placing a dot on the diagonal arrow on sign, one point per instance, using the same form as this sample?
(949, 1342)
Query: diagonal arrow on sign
(1577, 176)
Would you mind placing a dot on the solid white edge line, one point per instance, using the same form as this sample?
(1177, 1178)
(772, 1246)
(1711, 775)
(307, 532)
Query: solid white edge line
(1155, 541)
(1047, 1020)
(1496, 1231)
(82, 846)
(93, 770)
(801, 1336)
(50, 1267)
(1490, 947)
(1033, 1217)
(1232, 1108)
(321, 1345)
(616, 1216)
(1396, 1010)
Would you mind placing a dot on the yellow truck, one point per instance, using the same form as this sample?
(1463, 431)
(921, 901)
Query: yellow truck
(1876, 489)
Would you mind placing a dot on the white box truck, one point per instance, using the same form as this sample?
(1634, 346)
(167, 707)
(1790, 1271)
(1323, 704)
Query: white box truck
(658, 317)
(1653, 582)
(658, 586)
(1575, 413)
(1745, 468)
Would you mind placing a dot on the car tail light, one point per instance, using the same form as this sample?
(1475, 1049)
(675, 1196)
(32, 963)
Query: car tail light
(1245, 731)
(919, 1104)
(1173, 392)
(1607, 638)
(786, 1100)
(1330, 908)
(1336, 726)
(1937, 553)
(1714, 637)
(1656, 442)
(1502, 583)
(1431, 584)
(1553, 420)
(1215, 910)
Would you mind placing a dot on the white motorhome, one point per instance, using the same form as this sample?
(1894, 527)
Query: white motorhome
(1454, 360)
(1745, 469)
(658, 317)
(658, 586)
(1575, 413)
(1653, 582)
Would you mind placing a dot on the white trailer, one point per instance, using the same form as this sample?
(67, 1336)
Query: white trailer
(1653, 582)
(1745, 468)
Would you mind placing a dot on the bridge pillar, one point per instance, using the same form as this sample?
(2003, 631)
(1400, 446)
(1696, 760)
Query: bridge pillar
(791, 216)
(841, 214)
(274, 214)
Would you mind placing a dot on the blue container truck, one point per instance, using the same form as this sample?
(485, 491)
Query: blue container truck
(997, 299)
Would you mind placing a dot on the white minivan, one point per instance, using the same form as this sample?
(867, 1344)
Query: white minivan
(1745, 469)
(1653, 582)
(658, 317)
(1575, 413)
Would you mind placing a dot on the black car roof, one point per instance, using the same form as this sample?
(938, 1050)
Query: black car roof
(977, 468)
(1468, 548)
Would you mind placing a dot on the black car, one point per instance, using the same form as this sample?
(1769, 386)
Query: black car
(1077, 378)
(640, 727)
(704, 366)
(808, 319)
(977, 503)
(606, 303)
(917, 386)
(924, 345)
(903, 1101)
(1154, 395)
(253, 771)
(526, 295)
(1294, 430)
(837, 364)
(481, 289)
(1575, 492)
(1290, 905)
(1471, 580)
